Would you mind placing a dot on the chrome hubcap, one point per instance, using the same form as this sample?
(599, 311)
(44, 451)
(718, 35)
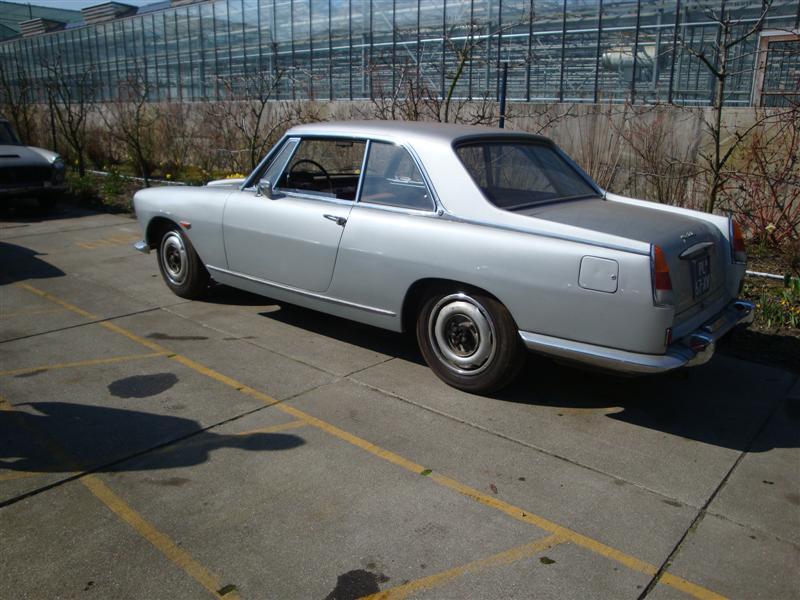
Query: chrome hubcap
(461, 334)
(173, 257)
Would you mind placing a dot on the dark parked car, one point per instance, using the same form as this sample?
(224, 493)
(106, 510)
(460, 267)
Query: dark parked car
(28, 171)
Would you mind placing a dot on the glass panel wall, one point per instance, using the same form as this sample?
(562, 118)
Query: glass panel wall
(640, 51)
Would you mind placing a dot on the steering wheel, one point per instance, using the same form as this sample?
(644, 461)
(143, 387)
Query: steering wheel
(318, 166)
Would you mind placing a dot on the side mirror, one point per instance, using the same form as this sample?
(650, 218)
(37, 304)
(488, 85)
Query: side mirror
(264, 188)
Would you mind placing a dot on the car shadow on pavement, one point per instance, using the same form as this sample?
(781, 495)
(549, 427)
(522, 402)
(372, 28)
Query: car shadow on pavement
(56, 437)
(223, 294)
(724, 405)
(27, 210)
(383, 341)
(18, 263)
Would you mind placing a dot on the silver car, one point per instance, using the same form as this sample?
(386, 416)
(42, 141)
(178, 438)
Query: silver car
(484, 241)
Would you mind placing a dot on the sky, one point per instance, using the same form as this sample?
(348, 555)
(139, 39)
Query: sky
(78, 4)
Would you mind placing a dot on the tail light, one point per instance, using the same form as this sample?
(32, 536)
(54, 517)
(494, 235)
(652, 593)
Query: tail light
(662, 284)
(738, 251)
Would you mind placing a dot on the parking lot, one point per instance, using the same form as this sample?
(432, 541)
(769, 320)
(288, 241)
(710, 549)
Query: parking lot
(153, 447)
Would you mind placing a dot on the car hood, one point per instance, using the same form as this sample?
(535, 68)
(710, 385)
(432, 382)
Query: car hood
(21, 156)
(232, 183)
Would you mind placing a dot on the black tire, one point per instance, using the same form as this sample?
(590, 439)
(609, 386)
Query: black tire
(180, 266)
(469, 339)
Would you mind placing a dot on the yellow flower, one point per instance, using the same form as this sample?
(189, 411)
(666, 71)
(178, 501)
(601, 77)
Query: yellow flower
(168, 176)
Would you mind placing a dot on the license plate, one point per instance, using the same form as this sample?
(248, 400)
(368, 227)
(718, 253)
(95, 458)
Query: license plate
(701, 275)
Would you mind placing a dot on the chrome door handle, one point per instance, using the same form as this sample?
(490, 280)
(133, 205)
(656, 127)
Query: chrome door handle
(336, 219)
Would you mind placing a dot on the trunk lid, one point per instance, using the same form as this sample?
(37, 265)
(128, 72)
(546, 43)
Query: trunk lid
(693, 248)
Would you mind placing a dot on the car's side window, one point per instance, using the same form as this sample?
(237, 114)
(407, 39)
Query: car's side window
(392, 178)
(324, 166)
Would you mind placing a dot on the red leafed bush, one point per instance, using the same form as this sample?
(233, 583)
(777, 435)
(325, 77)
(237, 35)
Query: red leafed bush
(764, 191)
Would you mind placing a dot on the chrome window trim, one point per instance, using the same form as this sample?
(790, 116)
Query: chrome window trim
(302, 292)
(399, 209)
(247, 184)
(310, 195)
(436, 207)
(289, 193)
(363, 172)
(439, 208)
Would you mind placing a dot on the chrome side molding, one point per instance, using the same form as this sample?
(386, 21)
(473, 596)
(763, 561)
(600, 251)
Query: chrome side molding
(306, 293)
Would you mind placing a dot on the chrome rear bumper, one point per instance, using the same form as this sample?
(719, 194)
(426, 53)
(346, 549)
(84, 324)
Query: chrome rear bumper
(693, 349)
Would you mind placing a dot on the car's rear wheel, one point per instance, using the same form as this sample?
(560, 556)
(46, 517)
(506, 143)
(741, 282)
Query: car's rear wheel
(180, 266)
(470, 340)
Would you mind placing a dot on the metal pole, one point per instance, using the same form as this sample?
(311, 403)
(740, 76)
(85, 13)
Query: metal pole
(394, 45)
(444, 42)
(330, 51)
(597, 54)
(529, 59)
(499, 37)
(291, 46)
(350, 46)
(563, 50)
(370, 61)
(636, 50)
(419, 50)
(674, 50)
(503, 83)
(471, 33)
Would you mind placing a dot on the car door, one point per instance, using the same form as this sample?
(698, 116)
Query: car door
(287, 229)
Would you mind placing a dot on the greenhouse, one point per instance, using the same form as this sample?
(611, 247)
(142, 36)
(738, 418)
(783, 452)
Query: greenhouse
(639, 51)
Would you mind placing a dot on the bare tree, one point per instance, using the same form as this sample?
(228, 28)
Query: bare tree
(71, 97)
(717, 59)
(17, 98)
(404, 101)
(764, 192)
(248, 117)
(662, 149)
(178, 135)
(412, 98)
(132, 121)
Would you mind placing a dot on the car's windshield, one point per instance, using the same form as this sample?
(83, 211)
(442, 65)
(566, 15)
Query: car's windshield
(7, 135)
(515, 174)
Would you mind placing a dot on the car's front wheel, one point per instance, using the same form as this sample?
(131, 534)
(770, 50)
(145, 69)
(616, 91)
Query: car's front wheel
(470, 340)
(180, 266)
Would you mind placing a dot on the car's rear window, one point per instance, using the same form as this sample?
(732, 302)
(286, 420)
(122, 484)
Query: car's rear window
(517, 174)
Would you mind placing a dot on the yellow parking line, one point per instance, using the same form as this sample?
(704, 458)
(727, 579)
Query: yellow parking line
(161, 541)
(80, 363)
(59, 301)
(118, 506)
(275, 428)
(515, 512)
(116, 240)
(502, 558)
(12, 475)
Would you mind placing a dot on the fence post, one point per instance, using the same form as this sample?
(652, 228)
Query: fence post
(503, 81)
